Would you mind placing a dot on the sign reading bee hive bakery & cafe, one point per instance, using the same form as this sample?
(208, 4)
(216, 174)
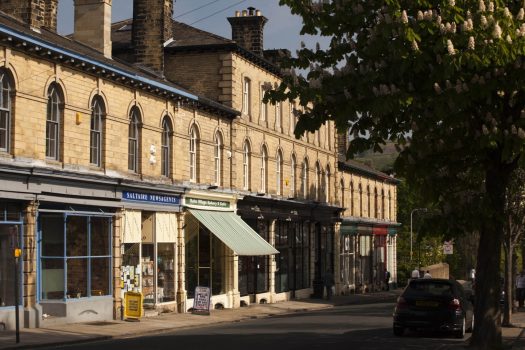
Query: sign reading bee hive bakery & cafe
(209, 203)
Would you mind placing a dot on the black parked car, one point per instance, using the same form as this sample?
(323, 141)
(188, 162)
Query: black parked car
(434, 304)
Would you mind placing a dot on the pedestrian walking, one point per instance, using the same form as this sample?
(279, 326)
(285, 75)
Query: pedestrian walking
(329, 283)
(520, 288)
(415, 273)
(387, 279)
(427, 274)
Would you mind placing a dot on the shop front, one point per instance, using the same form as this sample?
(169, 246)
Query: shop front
(11, 228)
(75, 262)
(220, 248)
(149, 248)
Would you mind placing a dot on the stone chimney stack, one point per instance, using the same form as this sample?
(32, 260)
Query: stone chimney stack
(152, 28)
(248, 28)
(93, 24)
(342, 145)
(34, 13)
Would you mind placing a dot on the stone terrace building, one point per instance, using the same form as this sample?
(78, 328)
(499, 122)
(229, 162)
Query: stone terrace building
(133, 174)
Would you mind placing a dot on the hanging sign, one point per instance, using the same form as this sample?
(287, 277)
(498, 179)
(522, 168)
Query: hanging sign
(201, 302)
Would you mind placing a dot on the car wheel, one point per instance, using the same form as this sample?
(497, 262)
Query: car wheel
(460, 333)
(471, 328)
(398, 331)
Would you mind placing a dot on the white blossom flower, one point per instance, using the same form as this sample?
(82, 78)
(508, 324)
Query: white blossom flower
(404, 17)
(469, 14)
(521, 133)
(513, 129)
(450, 48)
(496, 33)
(415, 47)
(442, 28)
(484, 129)
(482, 6)
(452, 2)
(491, 6)
(448, 27)
(522, 29)
(483, 21)
(453, 27)
(419, 15)
(509, 39)
(437, 88)
(521, 14)
(471, 43)
(448, 84)
(438, 19)
(506, 13)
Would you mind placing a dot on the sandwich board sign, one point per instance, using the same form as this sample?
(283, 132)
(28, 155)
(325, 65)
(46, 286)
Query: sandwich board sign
(133, 305)
(201, 301)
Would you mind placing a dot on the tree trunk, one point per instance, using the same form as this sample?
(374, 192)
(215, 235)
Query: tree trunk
(507, 308)
(487, 314)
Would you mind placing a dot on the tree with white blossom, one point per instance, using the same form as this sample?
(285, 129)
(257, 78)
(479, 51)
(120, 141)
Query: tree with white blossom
(445, 81)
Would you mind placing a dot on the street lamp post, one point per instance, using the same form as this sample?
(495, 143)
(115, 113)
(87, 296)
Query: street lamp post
(411, 214)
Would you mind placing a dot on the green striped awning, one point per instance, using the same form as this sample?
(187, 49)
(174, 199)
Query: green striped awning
(349, 229)
(392, 231)
(234, 232)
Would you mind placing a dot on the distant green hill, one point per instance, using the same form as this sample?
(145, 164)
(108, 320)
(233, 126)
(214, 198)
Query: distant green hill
(380, 161)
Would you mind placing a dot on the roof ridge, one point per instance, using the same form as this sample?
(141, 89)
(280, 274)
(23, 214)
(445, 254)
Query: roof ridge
(203, 31)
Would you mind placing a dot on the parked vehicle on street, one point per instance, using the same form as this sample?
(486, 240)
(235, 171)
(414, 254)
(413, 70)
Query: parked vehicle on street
(434, 304)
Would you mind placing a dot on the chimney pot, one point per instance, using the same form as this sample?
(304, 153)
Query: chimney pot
(244, 13)
(250, 10)
(237, 13)
(258, 13)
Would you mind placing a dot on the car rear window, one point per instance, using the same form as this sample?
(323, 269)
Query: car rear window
(433, 288)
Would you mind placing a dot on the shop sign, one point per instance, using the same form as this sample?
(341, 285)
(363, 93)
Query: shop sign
(150, 198)
(206, 202)
(201, 302)
(133, 305)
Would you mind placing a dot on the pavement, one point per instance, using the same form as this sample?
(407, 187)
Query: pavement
(51, 336)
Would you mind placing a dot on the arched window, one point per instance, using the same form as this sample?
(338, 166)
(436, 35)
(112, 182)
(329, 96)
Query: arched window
(6, 90)
(98, 111)
(369, 206)
(55, 112)
(246, 96)
(327, 190)
(194, 154)
(264, 106)
(278, 118)
(376, 205)
(317, 181)
(342, 189)
(246, 166)
(352, 211)
(383, 208)
(264, 170)
(218, 158)
(134, 140)
(166, 152)
(390, 206)
(293, 179)
(279, 173)
(360, 200)
(304, 177)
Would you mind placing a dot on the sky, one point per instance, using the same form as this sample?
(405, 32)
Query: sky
(281, 30)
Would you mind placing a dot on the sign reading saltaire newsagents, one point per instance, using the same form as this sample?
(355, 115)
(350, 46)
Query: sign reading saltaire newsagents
(150, 198)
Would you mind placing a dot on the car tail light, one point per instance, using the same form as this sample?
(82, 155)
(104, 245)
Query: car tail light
(454, 304)
(401, 303)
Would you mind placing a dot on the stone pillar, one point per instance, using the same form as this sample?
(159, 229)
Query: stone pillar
(118, 301)
(32, 310)
(152, 28)
(273, 263)
(248, 28)
(93, 24)
(337, 254)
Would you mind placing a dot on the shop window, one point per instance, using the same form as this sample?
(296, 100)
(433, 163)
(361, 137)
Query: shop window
(205, 264)
(165, 272)
(130, 269)
(9, 237)
(83, 269)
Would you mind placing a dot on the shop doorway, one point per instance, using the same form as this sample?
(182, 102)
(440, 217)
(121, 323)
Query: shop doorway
(254, 270)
